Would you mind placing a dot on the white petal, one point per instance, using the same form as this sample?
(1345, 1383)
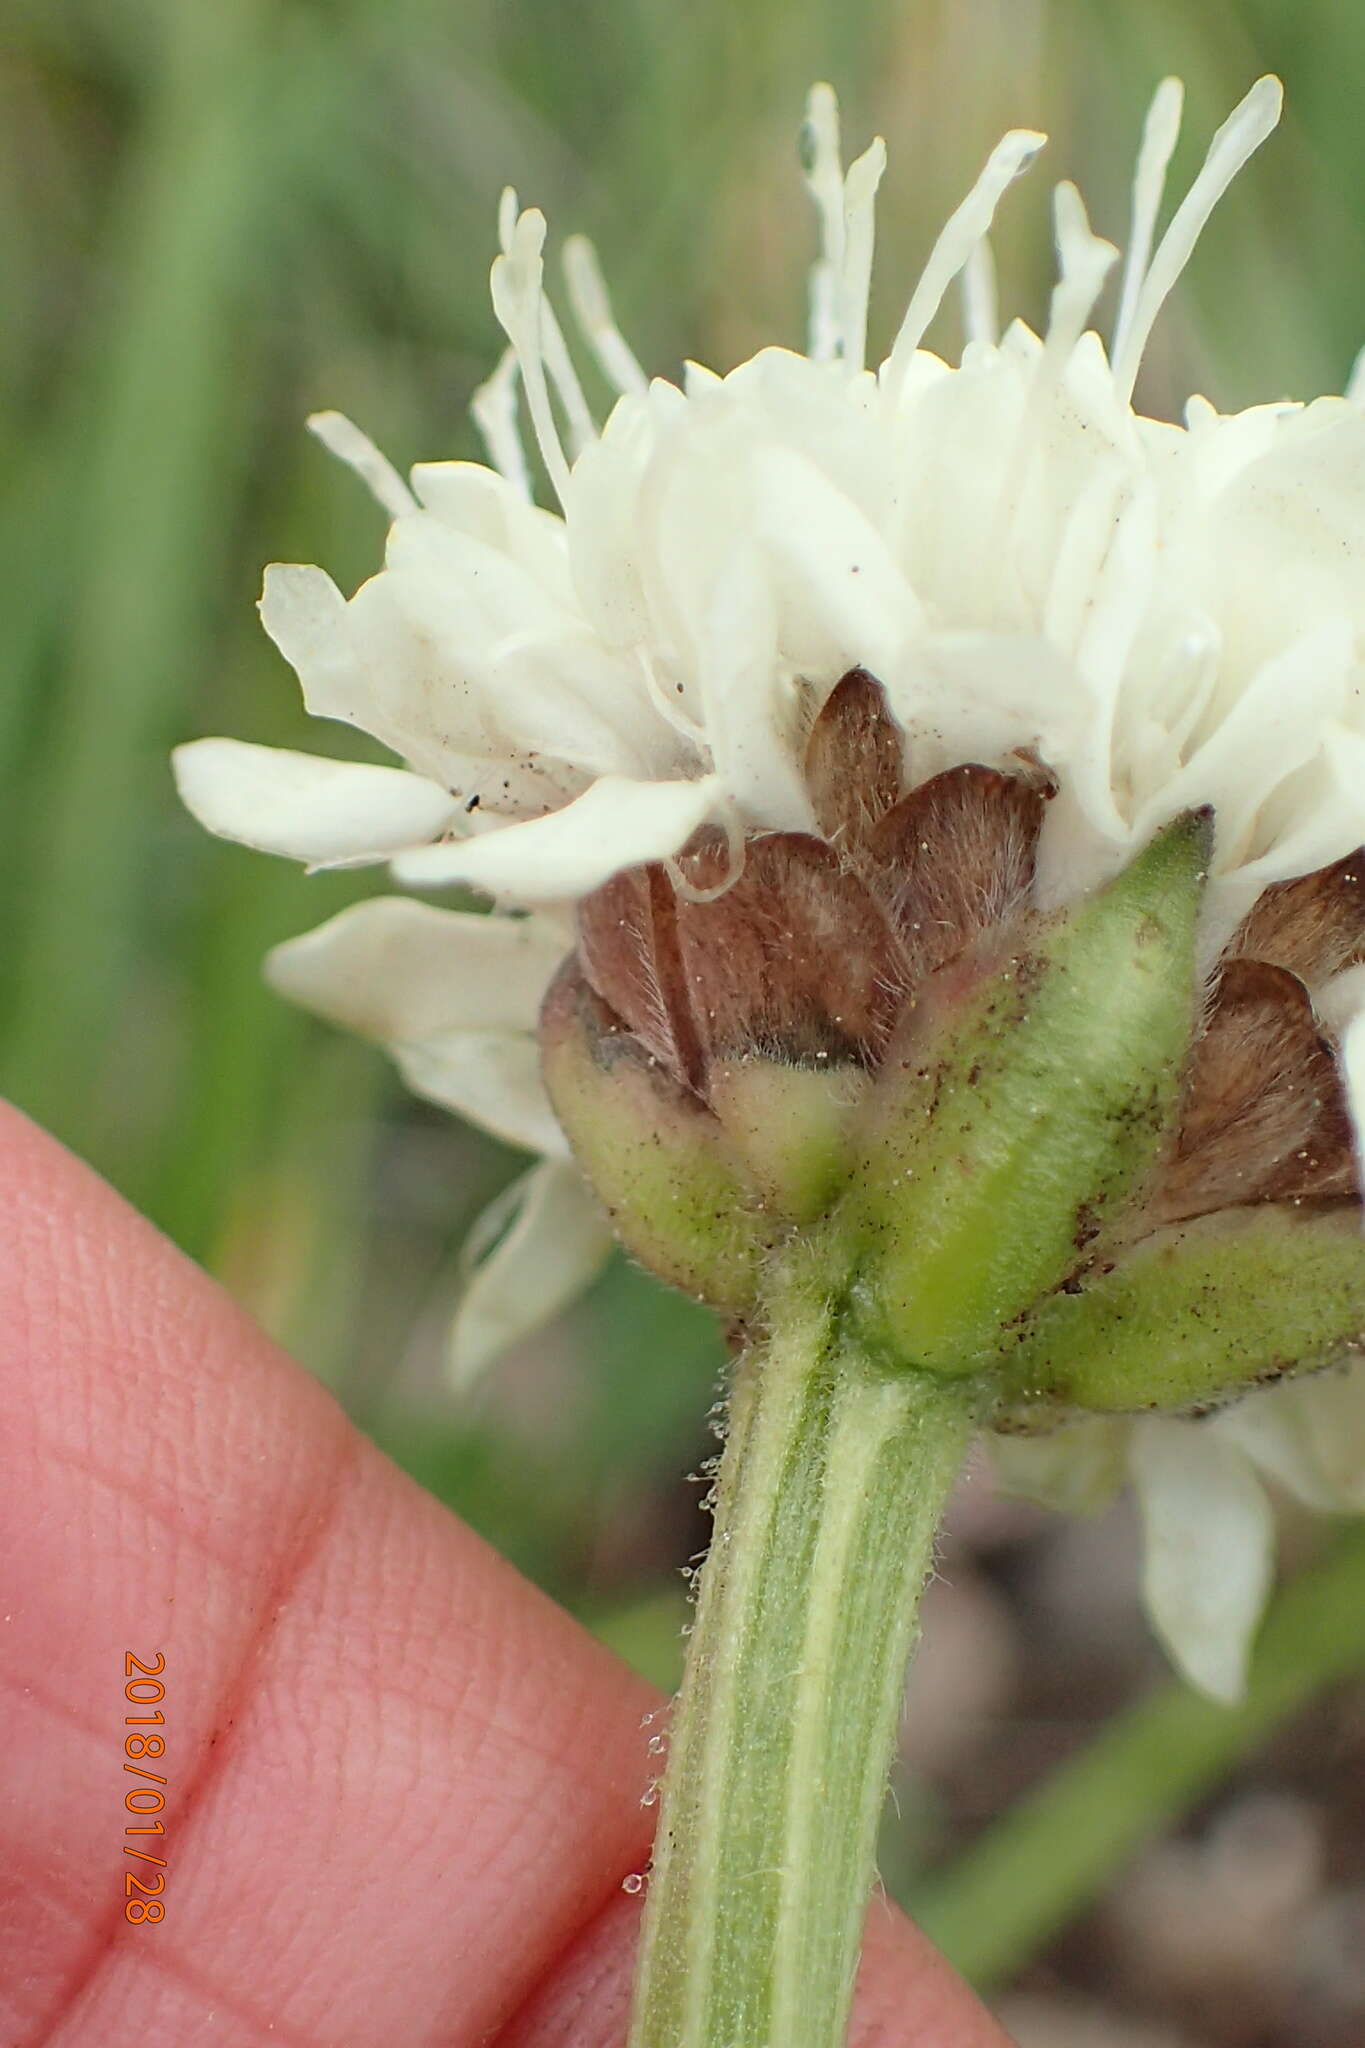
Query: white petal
(1076, 1470)
(1309, 1435)
(1331, 1408)
(606, 514)
(381, 664)
(1209, 1558)
(535, 671)
(492, 1078)
(980, 696)
(479, 502)
(420, 699)
(1340, 1000)
(1280, 720)
(1353, 1072)
(305, 615)
(555, 1246)
(1317, 828)
(842, 598)
(328, 813)
(394, 969)
(616, 824)
(748, 703)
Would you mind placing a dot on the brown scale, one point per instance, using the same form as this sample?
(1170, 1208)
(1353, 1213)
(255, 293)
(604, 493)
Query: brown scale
(1313, 926)
(853, 761)
(1265, 1115)
(953, 858)
(811, 952)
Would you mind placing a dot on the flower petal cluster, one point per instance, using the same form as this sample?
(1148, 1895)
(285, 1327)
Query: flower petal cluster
(1164, 616)
(1204, 1490)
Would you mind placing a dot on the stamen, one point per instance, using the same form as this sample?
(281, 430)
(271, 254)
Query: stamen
(823, 169)
(342, 438)
(517, 283)
(1240, 136)
(564, 377)
(554, 348)
(1084, 261)
(591, 303)
(855, 271)
(1160, 133)
(670, 706)
(954, 246)
(493, 409)
(980, 295)
(822, 323)
(1355, 383)
(734, 865)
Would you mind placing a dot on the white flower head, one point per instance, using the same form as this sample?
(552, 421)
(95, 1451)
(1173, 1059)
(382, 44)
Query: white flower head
(1157, 617)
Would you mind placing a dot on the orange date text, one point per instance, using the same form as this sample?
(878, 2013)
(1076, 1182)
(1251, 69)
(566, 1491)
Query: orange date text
(144, 1750)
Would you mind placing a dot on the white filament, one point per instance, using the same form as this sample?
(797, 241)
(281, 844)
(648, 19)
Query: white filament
(493, 409)
(1355, 383)
(1160, 133)
(980, 294)
(855, 270)
(553, 348)
(825, 182)
(564, 378)
(1084, 261)
(342, 438)
(954, 246)
(667, 705)
(591, 303)
(517, 285)
(1240, 136)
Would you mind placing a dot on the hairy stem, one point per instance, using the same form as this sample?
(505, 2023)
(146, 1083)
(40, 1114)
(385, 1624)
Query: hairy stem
(830, 1491)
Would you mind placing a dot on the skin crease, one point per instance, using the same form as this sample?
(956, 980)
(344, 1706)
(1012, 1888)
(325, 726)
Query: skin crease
(404, 1788)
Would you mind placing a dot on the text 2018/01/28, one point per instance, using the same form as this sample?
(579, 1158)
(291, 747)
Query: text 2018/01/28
(143, 1744)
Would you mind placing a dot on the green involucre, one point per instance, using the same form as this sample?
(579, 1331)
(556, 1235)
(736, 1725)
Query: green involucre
(1197, 1314)
(1022, 1109)
(662, 1167)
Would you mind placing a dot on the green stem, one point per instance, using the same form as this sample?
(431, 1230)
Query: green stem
(1056, 1852)
(829, 1495)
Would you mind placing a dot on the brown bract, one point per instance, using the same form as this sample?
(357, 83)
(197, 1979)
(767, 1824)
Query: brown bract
(812, 952)
(1313, 926)
(1265, 1114)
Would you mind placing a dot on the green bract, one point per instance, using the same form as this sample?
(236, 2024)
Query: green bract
(661, 1165)
(1029, 1099)
(1197, 1315)
(977, 1208)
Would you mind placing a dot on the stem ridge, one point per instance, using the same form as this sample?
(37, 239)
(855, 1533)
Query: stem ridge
(829, 1496)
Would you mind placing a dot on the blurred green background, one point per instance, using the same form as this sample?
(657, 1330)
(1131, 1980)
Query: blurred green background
(218, 215)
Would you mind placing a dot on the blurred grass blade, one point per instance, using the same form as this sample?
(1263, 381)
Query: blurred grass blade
(1057, 1851)
(165, 409)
